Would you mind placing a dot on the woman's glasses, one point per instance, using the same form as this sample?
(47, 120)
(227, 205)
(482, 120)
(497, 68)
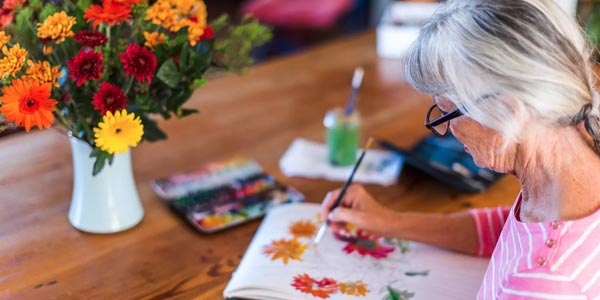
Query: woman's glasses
(438, 121)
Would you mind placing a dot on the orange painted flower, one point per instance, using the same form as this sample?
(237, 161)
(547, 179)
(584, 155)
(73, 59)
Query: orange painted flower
(354, 288)
(319, 288)
(303, 229)
(13, 60)
(153, 39)
(285, 249)
(57, 27)
(110, 12)
(28, 103)
(42, 72)
(4, 38)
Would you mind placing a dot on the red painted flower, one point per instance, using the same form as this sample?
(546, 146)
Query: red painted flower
(90, 38)
(110, 12)
(367, 244)
(139, 62)
(319, 288)
(109, 98)
(85, 65)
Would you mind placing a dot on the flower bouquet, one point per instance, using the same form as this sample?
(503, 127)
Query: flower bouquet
(106, 71)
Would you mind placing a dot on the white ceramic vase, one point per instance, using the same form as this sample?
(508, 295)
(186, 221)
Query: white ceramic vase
(107, 202)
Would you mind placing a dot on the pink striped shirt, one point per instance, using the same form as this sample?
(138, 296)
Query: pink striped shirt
(532, 261)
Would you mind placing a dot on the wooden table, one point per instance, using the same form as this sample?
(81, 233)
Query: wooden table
(256, 115)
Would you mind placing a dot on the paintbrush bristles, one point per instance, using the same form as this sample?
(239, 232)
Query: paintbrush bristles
(369, 143)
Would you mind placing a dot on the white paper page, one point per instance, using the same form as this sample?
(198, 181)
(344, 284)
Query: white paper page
(425, 272)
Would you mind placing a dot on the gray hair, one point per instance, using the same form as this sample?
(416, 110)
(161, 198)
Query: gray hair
(484, 54)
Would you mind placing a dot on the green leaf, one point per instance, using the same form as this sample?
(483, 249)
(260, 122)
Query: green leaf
(169, 74)
(84, 4)
(151, 131)
(101, 158)
(47, 11)
(199, 82)
(36, 4)
(184, 112)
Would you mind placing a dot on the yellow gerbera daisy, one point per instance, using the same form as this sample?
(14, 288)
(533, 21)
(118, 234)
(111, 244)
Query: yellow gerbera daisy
(153, 39)
(56, 27)
(13, 61)
(4, 38)
(42, 72)
(116, 133)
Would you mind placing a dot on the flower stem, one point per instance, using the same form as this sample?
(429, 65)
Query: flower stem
(129, 84)
(64, 120)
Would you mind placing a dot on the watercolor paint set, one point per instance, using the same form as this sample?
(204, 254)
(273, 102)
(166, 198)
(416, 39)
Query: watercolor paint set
(225, 194)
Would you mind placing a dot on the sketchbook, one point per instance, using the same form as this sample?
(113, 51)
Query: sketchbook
(280, 264)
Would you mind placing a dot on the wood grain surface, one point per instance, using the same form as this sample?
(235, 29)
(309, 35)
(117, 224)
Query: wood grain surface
(256, 115)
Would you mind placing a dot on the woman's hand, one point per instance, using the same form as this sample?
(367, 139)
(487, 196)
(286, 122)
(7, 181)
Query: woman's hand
(359, 208)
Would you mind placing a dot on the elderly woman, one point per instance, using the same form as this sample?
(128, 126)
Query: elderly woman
(512, 80)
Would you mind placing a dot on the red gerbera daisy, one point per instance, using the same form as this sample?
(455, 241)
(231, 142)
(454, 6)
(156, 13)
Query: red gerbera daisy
(85, 65)
(90, 38)
(139, 62)
(109, 98)
(110, 12)
(319, 288)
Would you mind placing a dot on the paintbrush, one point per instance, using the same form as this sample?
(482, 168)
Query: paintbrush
(356, 83)
(338, 200)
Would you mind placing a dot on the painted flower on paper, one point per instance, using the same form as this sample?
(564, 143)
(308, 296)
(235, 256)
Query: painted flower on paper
(86, 65)
(395, 294)
(90, 38)
(28, 103)
(116, 133)
(13, 61)
(153, 39)
(111, 12)
(354, 288)
(138, 62)
(109, 98)
(367, 244)
(303, 229)
(56, 27)
(42, 71)
(322, 288)
(285, 249)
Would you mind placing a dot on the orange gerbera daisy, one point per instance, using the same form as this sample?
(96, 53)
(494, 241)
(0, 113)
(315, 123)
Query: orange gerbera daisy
(285, 249)
(303, 229)
(28, 103)
(110, 12)
(319, 288)
(354, 288)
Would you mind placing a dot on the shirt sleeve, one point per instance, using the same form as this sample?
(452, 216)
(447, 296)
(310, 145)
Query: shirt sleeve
(488, 223)
(540, 285)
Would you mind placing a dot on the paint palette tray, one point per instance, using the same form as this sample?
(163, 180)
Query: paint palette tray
(222, 195)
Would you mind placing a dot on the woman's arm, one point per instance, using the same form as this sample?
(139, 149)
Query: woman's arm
(473, 232)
